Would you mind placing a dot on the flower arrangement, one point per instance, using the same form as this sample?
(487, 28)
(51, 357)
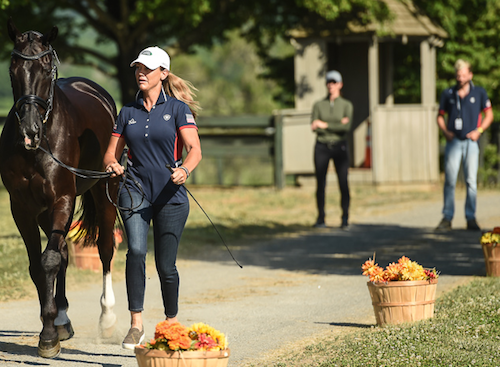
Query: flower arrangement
(177, 337)
(491, 238)
(75, 234)
(404, 269)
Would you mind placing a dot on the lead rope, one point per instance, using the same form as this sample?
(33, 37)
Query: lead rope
(97, 175)
(213, 225)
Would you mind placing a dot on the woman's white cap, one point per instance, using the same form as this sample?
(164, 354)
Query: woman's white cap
(153, 58)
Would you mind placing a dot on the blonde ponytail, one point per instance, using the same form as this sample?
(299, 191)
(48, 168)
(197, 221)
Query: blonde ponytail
(182, 90)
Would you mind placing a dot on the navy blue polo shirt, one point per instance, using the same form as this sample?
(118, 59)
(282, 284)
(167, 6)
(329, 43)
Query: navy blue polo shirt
(468, 109)
(153, 140)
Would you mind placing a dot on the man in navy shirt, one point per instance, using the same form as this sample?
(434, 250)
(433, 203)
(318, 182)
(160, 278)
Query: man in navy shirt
(464, 104)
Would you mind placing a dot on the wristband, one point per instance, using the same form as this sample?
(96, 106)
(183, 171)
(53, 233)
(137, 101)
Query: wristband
(185, 170)
(480, 129)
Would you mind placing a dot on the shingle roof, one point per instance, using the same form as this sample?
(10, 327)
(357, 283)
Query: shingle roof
(408, 21)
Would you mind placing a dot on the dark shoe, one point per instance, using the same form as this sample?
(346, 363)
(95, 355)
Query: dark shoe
(472, 225)
(444, 225)
(344, 225)
(319, 225)
(133, 338)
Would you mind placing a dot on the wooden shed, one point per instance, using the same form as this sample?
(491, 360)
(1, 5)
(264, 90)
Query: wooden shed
(397, 142)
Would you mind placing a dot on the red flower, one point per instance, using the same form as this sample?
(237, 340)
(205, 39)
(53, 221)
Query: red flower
(205, 342)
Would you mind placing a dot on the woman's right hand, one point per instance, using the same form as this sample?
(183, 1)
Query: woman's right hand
(116, 168)
(318, 124)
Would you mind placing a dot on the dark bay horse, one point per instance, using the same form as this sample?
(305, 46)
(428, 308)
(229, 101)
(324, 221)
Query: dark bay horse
(72, 119)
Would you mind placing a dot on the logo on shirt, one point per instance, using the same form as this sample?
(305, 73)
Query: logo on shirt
(166, 117)
(472, 100)
(190, 119)
(488, 103)
(131, 121)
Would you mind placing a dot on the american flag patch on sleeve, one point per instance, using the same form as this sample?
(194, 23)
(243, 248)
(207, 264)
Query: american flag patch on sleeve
(190, 118)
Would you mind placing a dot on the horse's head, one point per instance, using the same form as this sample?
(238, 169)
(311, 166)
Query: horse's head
(33, 75)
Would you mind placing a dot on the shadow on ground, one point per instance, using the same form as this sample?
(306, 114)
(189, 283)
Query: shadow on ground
(334, 251)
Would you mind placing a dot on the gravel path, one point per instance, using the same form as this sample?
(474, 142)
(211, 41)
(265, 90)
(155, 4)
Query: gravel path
(289, 289)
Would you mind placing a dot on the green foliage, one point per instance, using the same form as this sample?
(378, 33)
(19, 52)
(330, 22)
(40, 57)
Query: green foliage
(123, 28)
(406, 73)
(488, 173)
(473, 30)
(226, 76)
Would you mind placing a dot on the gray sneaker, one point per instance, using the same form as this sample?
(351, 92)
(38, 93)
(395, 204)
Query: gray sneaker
(133, 338)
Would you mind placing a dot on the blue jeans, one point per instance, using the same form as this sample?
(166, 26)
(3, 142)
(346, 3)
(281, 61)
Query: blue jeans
(168, 225)
(457, 152)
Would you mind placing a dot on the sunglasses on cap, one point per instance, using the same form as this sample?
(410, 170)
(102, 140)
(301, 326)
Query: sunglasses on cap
(331, 81)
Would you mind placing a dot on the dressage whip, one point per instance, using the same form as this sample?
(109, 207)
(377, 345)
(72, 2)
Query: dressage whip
(89, 174)
(213, 225)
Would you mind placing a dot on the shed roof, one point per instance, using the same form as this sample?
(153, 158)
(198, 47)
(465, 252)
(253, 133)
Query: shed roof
(408, 21)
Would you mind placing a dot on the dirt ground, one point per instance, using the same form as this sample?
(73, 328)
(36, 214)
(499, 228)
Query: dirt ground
(289, 290)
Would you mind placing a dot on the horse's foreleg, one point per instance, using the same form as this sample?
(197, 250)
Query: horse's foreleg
(49, 346)
(43, 269)
(53, 258)
(62, 321)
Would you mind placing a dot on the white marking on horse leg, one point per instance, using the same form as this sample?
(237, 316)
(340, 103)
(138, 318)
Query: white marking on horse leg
(108, 318)
(62, 318)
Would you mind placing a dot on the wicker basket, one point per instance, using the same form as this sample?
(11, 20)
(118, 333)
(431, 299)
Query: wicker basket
(492, 259)
(403, 301)
(158, 358)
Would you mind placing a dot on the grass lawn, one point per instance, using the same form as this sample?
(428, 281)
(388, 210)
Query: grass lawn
(465, 331)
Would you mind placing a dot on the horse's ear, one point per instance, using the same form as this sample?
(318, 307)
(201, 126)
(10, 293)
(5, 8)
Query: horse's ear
(49, 37)
(14, 33)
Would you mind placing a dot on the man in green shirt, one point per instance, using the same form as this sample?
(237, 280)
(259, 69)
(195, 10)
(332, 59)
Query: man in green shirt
(331, 121)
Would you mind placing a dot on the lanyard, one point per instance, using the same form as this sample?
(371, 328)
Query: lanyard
(459, 106)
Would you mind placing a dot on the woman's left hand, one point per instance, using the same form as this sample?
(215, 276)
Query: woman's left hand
(179, 176)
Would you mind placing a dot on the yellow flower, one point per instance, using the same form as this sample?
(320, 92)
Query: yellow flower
(216, 335)
(404, 269)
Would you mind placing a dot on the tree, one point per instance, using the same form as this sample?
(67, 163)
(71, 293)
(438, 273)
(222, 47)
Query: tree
(474, 35)
(123, 27)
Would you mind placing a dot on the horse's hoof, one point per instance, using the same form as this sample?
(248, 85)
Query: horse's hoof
(107, 333)
(49, 348)
(65, 331)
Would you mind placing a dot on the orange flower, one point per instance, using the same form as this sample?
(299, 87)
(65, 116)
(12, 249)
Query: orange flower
(393, 270)
(175, 334)
(404, 269)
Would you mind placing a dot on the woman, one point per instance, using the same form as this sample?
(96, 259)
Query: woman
(331, 121)
(156, 128)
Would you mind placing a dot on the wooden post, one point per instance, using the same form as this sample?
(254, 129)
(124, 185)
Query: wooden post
(427, 73)
(279, 176)
(373, 74)
(373, 98)
(389, 75)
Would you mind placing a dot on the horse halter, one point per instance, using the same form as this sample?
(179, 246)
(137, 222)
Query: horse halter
(32, 99)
